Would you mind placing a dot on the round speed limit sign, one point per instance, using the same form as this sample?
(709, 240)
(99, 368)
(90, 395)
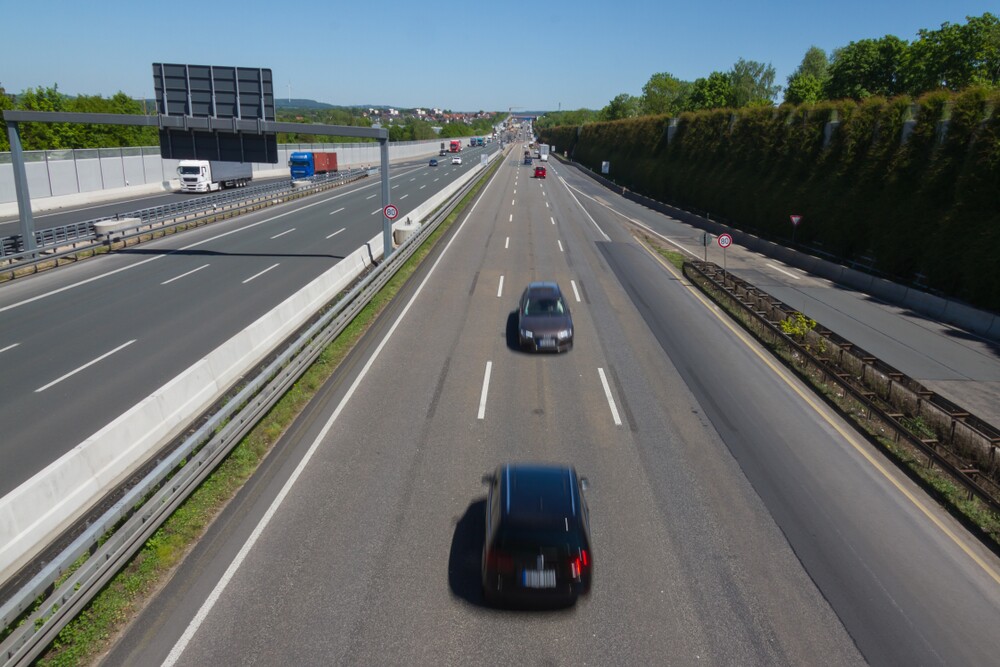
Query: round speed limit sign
(725, 240)
(390, 212)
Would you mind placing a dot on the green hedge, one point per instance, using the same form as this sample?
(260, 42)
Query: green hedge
(923, 211)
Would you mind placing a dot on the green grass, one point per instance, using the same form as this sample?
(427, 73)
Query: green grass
(92, 632)
(672, 256)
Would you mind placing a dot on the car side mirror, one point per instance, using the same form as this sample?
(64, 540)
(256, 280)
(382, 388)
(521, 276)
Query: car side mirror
(488, 478)
(584, 483)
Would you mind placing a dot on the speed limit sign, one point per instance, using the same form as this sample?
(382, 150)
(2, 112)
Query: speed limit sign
(725, 240)
(390, 212)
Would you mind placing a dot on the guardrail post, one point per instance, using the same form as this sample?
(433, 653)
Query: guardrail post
(21, 187)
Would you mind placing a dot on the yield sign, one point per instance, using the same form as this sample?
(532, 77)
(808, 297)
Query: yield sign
(795, 219)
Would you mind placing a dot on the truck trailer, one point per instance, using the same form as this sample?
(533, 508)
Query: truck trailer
(307, 164)
(212, 175)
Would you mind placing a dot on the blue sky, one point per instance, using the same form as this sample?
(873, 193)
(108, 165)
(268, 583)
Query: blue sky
(453, 55)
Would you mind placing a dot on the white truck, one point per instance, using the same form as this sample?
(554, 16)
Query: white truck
(211, 175)
(543, 152)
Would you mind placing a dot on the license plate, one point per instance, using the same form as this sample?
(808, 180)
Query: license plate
(538, 578)
(546, 342)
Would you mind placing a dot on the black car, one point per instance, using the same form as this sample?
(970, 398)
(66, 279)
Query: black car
(543, 318)
(433, 162)
(537, 546)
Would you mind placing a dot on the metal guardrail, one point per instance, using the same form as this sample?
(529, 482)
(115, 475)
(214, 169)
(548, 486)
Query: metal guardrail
(181, 471)
(765, 313)
(50, 241)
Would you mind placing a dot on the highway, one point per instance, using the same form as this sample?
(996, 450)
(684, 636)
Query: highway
(82, 344)
(736, 520)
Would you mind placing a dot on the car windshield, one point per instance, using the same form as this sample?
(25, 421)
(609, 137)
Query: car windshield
(545, 306)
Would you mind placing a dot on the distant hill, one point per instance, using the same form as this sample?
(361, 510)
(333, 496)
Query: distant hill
(297, 103)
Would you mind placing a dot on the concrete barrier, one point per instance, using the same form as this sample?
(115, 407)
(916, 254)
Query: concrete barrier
(53, 499)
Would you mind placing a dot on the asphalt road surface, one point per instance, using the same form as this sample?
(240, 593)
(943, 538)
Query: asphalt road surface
(735, 520)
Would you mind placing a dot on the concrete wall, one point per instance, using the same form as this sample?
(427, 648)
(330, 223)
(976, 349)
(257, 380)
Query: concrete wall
(53, 174)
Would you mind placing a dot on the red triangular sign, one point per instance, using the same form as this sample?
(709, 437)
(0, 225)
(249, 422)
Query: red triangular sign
(795, 219)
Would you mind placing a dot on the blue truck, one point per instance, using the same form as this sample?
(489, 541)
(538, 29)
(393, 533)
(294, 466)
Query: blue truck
(305, 164)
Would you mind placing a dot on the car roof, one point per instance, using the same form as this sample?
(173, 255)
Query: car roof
(543, 288)
(538, 495)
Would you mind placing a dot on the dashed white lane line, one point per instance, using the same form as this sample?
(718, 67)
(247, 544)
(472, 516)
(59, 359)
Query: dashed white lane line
(165, 282)
(337, 211)
(9, 347)
(552, 219)
(546, 204)
(287, 231)
(576, 292)
(372, 196)
(404, 197)
(378, 210)
(611, 399)
(394, 187)
(511, 202)
(258, 275)
(511, 218)
(500, 288)
(787, 273)
(423, 186)
(560, 245)
(505, 246)
(412, 179)
(435, 180)
(336, 232)
(85, 366)
(486, 388)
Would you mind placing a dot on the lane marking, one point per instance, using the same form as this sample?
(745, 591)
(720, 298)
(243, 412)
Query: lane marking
(166, 282)
(486, 388)
(376, 211)
(337, 211)
(394, 187)
(85, 366)
(234, 566)
(511, 218)
(372, 196)
(576, 292)
(546, 204)
(560, 245)
(412, 179)
(515, 191)
(336, 232)
(9, 347)
(787, 273)
(552, 219)
(287, 231)
(611, 399)
(500, 289)
(817, 407)
(423, 186)
(505, 246)
(435, 180)
(570, 189)
(404, 197)
(258, 275)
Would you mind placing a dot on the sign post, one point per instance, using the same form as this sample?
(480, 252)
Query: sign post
(796, 219)
(725, 240)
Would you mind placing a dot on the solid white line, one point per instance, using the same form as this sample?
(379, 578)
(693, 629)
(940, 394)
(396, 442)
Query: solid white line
(589, 217)
(230, 572)
(552, 219)
(179, 277)
(781, 270)
(287, 231)
(258, 275)
(500, 289)
(505, 246)
(560, 245)
(337, 211)
(575, 291)
(611, 400)
(336, 232)
(486, 388)
(372, 196)
(86, 365)
(9, 347)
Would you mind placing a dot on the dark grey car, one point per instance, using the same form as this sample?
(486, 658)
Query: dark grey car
(543, 318)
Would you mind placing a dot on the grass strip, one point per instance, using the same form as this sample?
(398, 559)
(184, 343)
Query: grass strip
(91, 633)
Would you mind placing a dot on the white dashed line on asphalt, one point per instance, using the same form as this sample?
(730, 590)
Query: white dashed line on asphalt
(336, 232)
(378, 210)
(552, 219)
(85, 366)
(337, 211)
(576, 292)
(179, 277)
(511, 218)
(560, 245)
(258, 275)
(500, 288)
(372, 196)
(505, 246)
(404, 197)
(486, 388)
(781, 270)
(9, 347)
(287, 231)
(611, 400)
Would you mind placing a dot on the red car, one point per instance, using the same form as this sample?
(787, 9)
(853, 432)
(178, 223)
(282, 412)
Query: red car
(539, 172)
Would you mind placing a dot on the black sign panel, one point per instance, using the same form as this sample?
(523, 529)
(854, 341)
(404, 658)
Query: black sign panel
(209, 91)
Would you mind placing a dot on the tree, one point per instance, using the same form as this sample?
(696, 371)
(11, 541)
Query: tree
(955, 56)
(752, 84)
(867, 67)
(713, 92)
(664, 94)
(806, 83)
(622, 106)
(6, 102)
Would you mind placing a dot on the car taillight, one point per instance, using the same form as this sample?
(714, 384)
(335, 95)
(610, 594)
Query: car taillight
(579, 564)
(500, 561)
